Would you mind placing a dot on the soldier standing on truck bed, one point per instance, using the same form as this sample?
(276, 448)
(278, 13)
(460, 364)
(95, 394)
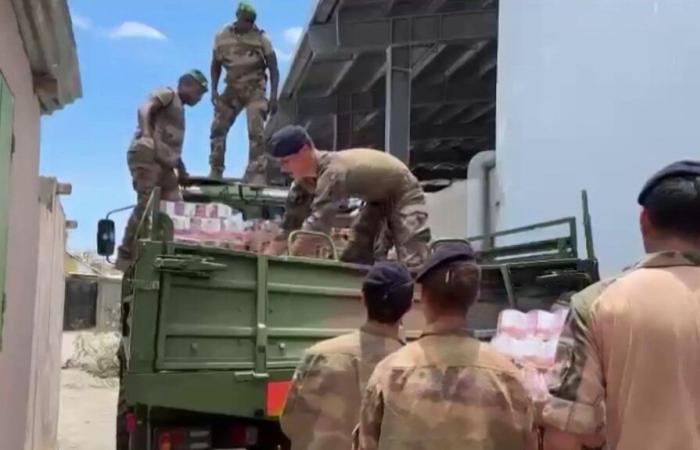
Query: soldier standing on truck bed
(394, 200)
(155, 154)
(246, 53)
(446, 390)
(633, 361)
(323, 403)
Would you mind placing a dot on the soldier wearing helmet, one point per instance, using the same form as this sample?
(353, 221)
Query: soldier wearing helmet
(246, 53)
(155, 154)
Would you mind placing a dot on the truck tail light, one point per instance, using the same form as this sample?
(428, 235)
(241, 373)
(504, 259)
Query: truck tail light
(130, 422)
(241, 435)
(276, 395)
(182, 439)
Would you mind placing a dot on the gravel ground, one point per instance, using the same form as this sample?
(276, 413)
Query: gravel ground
(87, 412)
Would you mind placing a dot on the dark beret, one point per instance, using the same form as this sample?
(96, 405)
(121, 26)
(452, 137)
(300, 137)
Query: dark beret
(288, 140)
(677, 169)
(445, 254)
(388, 274)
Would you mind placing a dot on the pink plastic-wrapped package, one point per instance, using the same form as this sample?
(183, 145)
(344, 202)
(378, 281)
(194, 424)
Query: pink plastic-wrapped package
(539, 323)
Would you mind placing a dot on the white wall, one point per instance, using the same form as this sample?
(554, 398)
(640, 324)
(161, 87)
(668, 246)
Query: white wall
(448, 211)
(594, 94)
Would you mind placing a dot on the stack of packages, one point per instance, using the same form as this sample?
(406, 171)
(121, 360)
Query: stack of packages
(530, 340)
(217, 225)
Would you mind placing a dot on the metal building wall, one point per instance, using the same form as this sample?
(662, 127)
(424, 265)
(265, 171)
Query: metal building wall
(593, 95)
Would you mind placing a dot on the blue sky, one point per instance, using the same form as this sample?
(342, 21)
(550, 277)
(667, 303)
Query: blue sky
(126, 49)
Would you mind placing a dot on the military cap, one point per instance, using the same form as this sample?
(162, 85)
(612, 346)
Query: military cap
(246, 7)
(199, 77)
(389, 280)
(445, 254)
(675, 170)
(288, 141)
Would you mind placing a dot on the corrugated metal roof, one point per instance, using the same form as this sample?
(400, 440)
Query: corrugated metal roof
(47, 33)
(337, 85)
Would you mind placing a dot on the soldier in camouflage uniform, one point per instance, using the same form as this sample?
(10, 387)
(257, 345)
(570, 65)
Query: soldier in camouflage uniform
(394, 200)
(246, 53)
(323, 403)
(630, 354)
(155, 154)
(446, 390)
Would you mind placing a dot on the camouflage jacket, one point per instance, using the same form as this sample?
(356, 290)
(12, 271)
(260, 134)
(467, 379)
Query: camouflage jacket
(633, 341)
(366, 174)
(168, 127)
(244, 56)
(322, 407)
(445, 391)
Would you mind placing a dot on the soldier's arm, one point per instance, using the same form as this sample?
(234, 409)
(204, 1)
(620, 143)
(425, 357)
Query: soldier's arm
(215, 74)
(272, 66)
(297, 209)
(368, 432)
(145, 115)
(576, 406)
(330, 193)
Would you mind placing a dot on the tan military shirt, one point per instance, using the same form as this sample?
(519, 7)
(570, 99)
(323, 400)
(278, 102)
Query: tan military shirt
(445, 391)
(168, 127)
(323, 403)
(244, 56)
(366, 174)
(634, 372)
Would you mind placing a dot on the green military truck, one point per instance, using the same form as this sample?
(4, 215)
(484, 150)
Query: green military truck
(211, 336)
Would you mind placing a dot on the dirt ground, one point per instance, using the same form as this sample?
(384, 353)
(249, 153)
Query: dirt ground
(87, 412)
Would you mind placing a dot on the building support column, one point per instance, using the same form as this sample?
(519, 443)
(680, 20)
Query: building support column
(397, 128)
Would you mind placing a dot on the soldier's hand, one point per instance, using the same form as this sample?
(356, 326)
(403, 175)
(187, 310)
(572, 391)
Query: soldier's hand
(214, 97)
(273, 107)
(183, 179)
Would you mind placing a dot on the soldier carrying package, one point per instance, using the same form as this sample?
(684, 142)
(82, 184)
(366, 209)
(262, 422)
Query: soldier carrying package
(246, 53)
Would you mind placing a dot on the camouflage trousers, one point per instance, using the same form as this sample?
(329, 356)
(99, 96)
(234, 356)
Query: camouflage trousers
(146, 175)
(401, 223)
(229, 105)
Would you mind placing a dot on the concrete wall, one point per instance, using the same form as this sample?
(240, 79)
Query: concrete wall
(45, 376)
(15, 360)
(594, 94)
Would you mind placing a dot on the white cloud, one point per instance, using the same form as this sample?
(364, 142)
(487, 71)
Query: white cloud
(81, 22)
(292, 35)
(283, 56)
(136, 30)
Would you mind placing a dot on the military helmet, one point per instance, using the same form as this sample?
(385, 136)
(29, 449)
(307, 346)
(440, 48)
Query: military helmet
(199, 77)
(247, 8)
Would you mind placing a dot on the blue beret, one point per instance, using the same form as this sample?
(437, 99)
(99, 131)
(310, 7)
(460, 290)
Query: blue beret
(288, 140)
(388, 274)
(677, 169)
(445, 254)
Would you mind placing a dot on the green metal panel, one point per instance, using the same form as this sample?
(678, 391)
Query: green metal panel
(250, 312)
(6, 124)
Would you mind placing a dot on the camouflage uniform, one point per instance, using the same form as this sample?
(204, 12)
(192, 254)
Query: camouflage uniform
(244, 56)
(394, 208)
(152, 162)
(631, 359)
(323, 403)
(445, 391)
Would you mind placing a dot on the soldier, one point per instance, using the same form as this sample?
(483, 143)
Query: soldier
(155, 153)
(324, 400)
(395, 201)
(246, 53)
(632, 372)
(446, 390)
